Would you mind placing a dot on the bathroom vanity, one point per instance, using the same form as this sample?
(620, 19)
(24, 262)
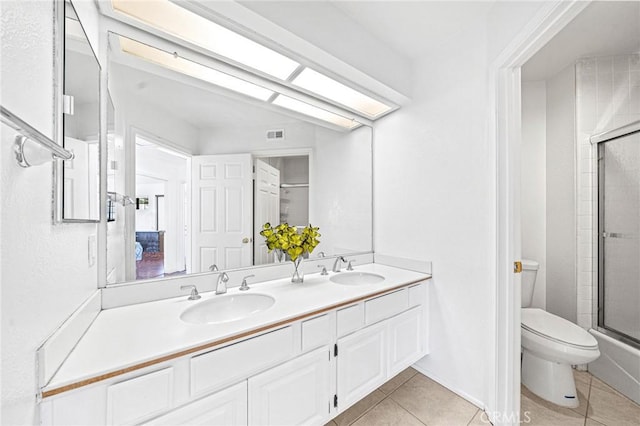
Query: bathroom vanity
(320, 347)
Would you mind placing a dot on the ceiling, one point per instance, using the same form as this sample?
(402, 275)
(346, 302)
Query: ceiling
(604, 28)
(200, 108)
(414, 28)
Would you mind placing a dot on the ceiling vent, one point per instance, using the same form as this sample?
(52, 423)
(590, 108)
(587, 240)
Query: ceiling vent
(275, 135)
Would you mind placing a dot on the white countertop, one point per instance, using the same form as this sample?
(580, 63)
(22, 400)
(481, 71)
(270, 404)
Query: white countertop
(131, 335)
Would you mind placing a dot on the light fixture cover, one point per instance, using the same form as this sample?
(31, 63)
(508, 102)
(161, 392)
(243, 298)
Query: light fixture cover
(314, 111)
(193, 69)
(333, 90)
(186, 25)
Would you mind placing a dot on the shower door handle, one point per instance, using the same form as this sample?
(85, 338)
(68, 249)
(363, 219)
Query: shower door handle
(615, 235)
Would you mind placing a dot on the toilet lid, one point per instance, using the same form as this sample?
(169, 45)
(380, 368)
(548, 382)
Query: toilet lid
(555, 328)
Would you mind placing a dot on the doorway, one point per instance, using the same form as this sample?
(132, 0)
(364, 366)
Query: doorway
(160, 220)
(281, 194)
(506, 71)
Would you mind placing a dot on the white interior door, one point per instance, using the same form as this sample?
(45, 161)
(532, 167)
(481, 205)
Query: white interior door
(222, 211)
(267, 207)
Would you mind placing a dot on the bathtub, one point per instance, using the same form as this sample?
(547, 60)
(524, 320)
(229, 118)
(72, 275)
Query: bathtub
(618, 365)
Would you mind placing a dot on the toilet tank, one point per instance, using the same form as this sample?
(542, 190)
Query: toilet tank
(529, 272)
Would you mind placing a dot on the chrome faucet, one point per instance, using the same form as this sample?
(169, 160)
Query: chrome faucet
(244, 286)
(324, 270)
(194, 291)
(221, 287)
(337, 264)
(213, 268)
(350, 266)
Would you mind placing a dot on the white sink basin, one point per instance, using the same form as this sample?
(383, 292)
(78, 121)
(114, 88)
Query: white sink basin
(356, 278)
(223, 309)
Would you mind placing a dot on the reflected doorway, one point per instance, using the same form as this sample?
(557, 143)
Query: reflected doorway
(160, 220)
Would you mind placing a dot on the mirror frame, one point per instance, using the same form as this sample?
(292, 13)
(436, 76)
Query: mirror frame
(58, 111)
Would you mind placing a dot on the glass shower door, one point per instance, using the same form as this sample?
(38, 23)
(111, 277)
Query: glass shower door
(619, 232)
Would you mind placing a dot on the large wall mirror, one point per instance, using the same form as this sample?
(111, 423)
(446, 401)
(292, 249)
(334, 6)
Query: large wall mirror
(195, 171)
(79, 188)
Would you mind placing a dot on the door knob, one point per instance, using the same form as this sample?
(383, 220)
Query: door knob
(245, 240)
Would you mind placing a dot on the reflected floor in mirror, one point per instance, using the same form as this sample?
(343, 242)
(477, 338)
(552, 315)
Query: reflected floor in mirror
(152, 266)
(411, 398)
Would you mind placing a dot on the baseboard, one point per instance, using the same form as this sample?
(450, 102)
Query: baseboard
(453, 389)
(52, 353)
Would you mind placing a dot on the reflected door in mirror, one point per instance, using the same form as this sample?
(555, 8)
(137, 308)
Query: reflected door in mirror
(222, 203)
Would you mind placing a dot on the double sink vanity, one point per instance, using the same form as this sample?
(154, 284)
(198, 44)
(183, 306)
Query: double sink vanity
(277, 353)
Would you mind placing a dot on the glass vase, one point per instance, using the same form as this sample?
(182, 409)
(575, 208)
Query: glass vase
(298, 273)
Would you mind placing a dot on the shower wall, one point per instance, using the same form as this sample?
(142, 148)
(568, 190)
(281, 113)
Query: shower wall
(607, 97)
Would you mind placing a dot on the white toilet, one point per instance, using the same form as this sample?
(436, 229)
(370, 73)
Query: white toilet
(550, 346)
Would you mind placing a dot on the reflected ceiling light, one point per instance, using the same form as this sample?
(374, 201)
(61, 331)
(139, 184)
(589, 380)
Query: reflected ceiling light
(313, 111)
(73, 29)
(191, 27)
(193, 69)
(329, 88)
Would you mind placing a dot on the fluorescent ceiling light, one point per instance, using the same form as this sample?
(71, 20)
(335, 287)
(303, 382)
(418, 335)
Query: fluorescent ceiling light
(191, 27)
(329, 88)
(313, 111)
(193, 69)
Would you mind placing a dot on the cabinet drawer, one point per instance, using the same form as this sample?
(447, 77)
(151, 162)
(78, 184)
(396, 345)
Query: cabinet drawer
(235, 362)
(386, 306)
(350, 319)
(316, 332)
(137, 399)
(417, 295)
(224, 408)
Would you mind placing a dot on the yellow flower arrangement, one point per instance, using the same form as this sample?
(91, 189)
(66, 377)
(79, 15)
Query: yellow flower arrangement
(287, 239)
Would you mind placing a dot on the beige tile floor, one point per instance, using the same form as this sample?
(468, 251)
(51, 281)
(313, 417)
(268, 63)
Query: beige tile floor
(413, 399)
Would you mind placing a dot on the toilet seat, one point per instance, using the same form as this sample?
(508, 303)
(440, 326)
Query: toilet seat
(557, 329)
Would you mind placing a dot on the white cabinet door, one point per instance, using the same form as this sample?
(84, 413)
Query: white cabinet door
(222, 212)
(225, 408)
(267, 208)
(361, 364)
(294, 393)
(406, 340)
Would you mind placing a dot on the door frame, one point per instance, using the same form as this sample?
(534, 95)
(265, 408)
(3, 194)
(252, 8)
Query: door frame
(503, 399)
(292, 152)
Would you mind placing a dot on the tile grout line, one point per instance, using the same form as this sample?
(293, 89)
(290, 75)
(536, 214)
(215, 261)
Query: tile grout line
(385, 397)
(404, 409)
(586, 413)
(474, 416)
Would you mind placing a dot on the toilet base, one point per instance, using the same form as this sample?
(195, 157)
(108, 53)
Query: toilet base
(549, 380)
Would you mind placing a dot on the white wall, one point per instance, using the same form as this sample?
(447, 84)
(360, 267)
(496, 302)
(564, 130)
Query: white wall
(534, 183)
(435, 197)
(45, 274)
(561, 218)
(340, 194)
(433, 200)
(237, 139)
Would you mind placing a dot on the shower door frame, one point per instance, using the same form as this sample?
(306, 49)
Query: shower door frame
(598, 192)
